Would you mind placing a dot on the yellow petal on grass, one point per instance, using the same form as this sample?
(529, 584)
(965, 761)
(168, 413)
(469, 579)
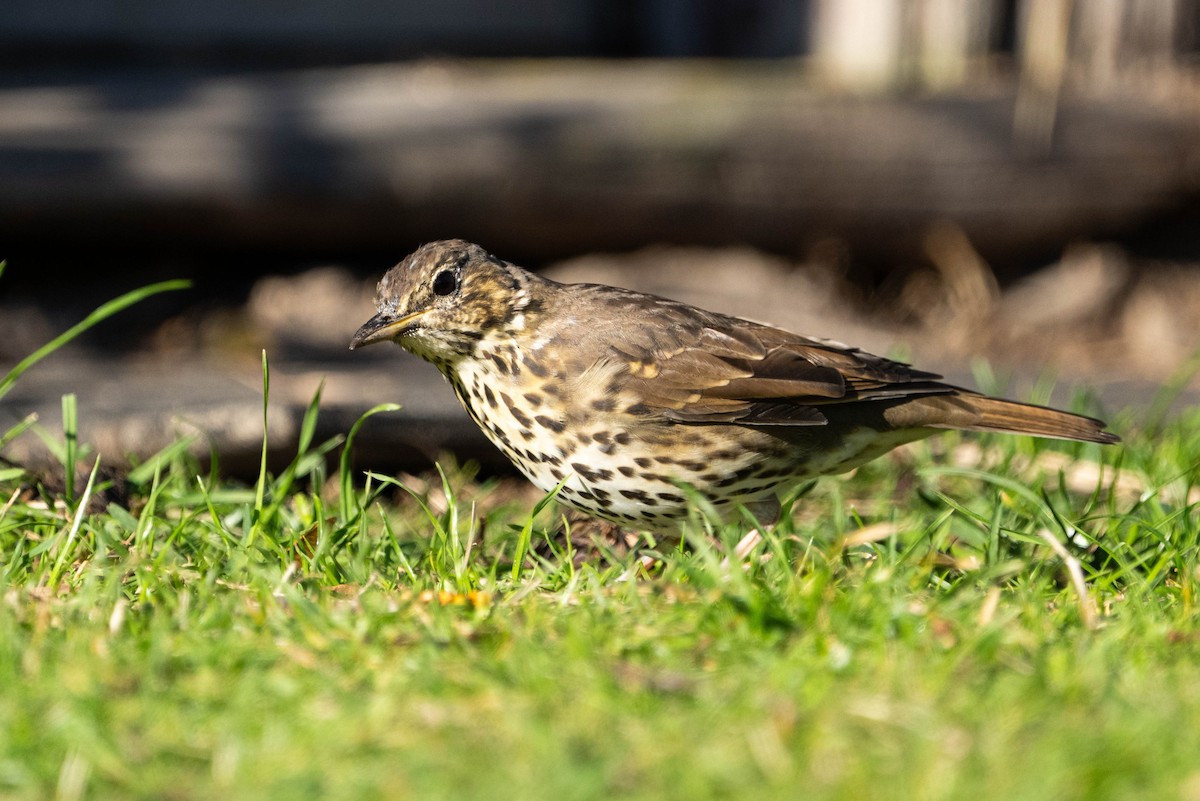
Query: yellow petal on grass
(477, 599)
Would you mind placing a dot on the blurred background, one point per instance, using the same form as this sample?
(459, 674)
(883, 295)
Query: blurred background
(1017, 180)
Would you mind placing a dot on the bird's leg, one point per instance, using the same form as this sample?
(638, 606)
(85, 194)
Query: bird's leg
(747, 544)
(590, 539)
(766, 512)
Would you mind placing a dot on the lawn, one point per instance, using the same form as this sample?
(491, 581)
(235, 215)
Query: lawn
(970, 617)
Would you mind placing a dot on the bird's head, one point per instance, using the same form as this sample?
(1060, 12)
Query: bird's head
(442, 299)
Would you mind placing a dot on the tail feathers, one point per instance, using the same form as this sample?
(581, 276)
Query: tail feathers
(971, 412)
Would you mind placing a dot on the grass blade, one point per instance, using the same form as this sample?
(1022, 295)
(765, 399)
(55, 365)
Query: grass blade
(260, 486)
(18, 429)
(70, 421)
(344, 474)
(67, 548)
(526, 534)
(147, 469)
(101, 314)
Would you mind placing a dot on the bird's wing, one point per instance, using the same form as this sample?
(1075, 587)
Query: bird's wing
(719, 369)
(679, 363)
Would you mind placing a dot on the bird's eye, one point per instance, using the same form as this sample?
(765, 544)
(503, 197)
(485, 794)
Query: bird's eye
(444, 283)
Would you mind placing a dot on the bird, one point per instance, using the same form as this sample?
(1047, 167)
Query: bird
(621, 401)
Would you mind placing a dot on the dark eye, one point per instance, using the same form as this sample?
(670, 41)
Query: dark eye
(444, 283)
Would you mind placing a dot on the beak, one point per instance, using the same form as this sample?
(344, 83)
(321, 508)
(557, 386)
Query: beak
(383, 327)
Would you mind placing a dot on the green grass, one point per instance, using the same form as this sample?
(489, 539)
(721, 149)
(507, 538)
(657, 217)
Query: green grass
(912, 631)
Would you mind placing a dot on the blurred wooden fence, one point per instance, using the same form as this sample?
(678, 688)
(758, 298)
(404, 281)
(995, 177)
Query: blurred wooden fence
(876, 44)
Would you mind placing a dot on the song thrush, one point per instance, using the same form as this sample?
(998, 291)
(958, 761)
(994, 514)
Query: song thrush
(626, 397)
